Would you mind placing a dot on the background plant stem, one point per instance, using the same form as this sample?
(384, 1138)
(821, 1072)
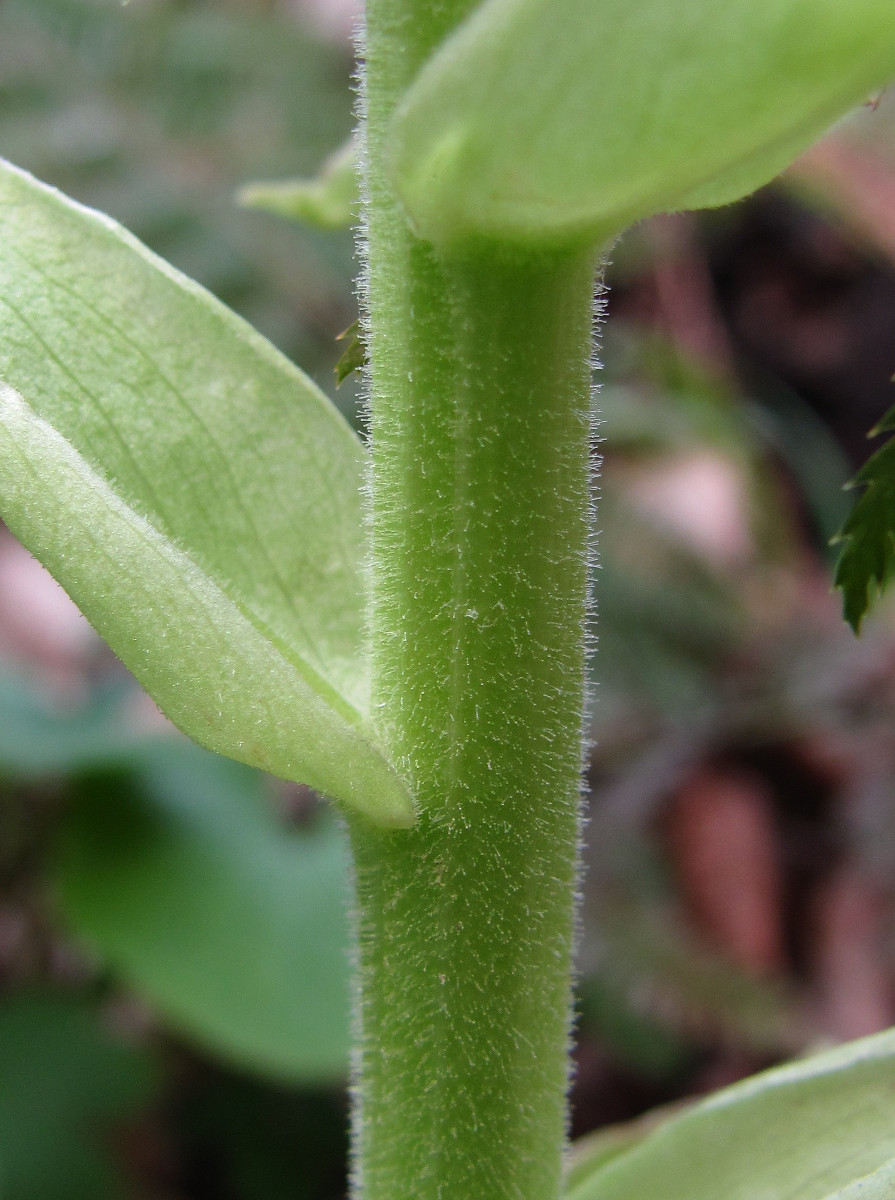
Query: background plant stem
(479, 500)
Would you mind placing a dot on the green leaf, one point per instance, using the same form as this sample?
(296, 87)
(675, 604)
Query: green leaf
(354, 357)
(590, 1154)
(552, 121)
(799, 1132)
(65, 1085)
(194, 493)
(331, 200)
(880, 1185)
(867, 561)
(189, 887)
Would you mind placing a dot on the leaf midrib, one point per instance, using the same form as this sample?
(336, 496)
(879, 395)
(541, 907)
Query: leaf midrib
(102, 487)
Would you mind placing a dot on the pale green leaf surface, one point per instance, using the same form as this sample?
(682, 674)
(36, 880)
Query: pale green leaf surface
(799, 1132)
(195, 494)
(329, 200)
(550, 121)
(234, 926)
(880, 1185)
(590, 1154)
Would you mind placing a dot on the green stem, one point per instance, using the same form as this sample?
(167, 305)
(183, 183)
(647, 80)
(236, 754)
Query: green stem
(479, 501)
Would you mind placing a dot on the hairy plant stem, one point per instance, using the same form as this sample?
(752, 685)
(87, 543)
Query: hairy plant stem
(479, 520)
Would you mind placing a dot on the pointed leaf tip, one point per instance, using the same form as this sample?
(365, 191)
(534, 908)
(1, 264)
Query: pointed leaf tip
(329, 200)
(150, 444)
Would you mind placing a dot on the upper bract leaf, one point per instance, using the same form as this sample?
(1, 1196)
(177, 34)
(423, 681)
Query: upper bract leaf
(801, 1132)
(552, 121)
(197, 496)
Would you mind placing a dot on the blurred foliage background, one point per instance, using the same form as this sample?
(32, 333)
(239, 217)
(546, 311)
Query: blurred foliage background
(173, 937)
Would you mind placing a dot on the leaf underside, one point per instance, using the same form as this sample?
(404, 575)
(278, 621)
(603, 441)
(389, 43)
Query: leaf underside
(867, 561)
(818, 1129)
(195, 494)
(879, 1185)
(565, 121)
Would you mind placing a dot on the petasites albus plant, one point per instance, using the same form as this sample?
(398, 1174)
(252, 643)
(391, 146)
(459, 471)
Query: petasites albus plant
(402, 624)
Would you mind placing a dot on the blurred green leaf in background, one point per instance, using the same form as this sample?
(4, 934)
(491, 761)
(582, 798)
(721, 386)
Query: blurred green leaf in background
(69, 1087)
(180, 875)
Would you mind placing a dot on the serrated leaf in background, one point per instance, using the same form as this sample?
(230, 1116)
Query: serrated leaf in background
(867, 560)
